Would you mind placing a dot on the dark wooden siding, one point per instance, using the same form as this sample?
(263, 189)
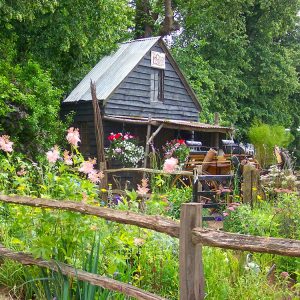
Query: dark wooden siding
(84, 119)
(132, 97)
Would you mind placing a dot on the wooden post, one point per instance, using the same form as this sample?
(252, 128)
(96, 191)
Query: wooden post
(147, 144)
(216, 118)
(99, 134)
(197, 186)
(216, 134)
(247, 183)
(190, 255)
(254, 180)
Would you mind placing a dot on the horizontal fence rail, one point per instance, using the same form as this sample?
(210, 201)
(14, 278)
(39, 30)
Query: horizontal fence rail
(235, 241)
(189, 231)
(97, 280)
(147, 170)
(157, 223)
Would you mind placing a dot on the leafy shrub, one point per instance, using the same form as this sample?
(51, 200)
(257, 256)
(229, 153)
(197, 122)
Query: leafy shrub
(264, 137)
(29, 106)
(275, 219)
(175, 197)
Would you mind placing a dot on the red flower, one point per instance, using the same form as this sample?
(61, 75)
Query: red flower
(181, 142)
(118, 135)
(111, 137)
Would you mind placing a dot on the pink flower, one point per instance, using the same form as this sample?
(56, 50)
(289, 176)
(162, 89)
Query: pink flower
(21, 172)
(73, 136)
(5, 143)
(118, 150)
(231, 208)
(87, 166)
(68, 158)
(170, 165)
(53, 155)
(95, 176)
(284, 275)
(143, 188)
(225, 214)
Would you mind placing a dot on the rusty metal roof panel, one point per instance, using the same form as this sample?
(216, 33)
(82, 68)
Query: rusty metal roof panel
(180, 124)
(112, 70)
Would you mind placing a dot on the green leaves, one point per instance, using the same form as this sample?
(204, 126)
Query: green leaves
(236, 55)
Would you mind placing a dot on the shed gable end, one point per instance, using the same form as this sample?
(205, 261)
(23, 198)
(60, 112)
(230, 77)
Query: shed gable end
(134, 96)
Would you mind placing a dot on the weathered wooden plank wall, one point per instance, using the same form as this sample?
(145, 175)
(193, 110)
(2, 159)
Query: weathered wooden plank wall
(132, 97)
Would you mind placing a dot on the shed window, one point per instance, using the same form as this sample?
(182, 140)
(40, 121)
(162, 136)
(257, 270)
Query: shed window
(157, 85)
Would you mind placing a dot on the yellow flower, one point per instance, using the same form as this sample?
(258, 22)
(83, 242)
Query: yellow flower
(93, 227)
(103, 190)
(254, 189)
(259, 198)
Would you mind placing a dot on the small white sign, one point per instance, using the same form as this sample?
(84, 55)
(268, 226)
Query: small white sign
(158, 60)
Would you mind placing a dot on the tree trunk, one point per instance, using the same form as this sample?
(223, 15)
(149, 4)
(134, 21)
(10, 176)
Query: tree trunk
(143, 20)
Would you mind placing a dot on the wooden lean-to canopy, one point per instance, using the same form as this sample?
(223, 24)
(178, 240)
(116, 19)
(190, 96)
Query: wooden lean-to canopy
(172, 124)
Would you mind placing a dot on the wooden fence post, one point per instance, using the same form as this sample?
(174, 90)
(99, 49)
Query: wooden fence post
(197, 186)
(255, 184)
(190, 255)
(247, 183)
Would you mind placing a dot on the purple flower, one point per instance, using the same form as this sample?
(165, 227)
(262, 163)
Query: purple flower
(117, 199)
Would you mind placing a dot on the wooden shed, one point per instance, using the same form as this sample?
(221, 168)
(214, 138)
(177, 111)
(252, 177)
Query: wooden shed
(138, 85)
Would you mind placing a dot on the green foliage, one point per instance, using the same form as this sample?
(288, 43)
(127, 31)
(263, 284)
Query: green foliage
(176, 197)
(29, 108)
(237, 56)
(66, 37)
(264, 137)
(144, 258)
(276, 219)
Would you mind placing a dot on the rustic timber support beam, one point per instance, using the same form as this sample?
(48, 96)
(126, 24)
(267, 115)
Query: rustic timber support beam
(147, 170)
(97, 280)
(235, 241)
(155, 133)
(157, 223)
(147, 146)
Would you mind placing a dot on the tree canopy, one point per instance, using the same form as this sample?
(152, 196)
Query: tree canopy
(241, 57)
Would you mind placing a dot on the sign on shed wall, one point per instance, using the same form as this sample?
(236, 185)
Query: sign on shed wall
(158, 60)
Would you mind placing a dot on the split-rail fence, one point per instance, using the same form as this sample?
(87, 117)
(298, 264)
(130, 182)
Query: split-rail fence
(191, 239)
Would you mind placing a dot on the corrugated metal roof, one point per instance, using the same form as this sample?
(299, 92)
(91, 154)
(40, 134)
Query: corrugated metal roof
(112, 70)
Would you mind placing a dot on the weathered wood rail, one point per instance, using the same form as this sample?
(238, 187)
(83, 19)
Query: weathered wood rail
(191, 238)
(156, 223)
(148, 170)
(97, 280)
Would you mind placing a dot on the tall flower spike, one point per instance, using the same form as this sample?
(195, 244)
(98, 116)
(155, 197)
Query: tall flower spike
(87, 166)
(95, 176)
(5, 143)
(67, 158)
(143, 188)
(73, 136)
(53, 154)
